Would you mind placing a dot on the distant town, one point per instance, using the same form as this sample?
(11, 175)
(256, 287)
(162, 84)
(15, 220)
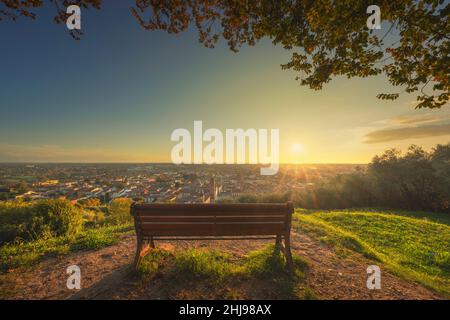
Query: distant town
(155, 182)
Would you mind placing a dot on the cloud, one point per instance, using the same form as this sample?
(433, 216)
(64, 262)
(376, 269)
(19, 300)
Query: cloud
(52, 153)
(417, 132)
(417, 119)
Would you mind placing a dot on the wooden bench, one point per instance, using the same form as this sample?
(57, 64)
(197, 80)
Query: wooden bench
(212, 222)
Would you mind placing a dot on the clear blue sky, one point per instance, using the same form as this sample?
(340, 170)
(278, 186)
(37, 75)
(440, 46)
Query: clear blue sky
(117, 94)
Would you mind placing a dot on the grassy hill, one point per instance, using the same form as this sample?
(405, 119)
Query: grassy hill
(413, 245)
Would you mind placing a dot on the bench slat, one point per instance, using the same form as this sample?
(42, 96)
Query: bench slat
(197, 212)
(205, 209)
(249, 229)
(210, 229)
(228, 218)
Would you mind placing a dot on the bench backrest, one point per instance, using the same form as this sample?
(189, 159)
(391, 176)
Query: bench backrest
(212, 219)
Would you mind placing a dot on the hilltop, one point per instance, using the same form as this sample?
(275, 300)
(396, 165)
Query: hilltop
(332, 251)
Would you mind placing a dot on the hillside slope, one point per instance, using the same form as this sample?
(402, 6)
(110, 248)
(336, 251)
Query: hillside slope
(413, 245)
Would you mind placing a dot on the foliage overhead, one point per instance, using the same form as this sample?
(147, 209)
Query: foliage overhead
(327, 38)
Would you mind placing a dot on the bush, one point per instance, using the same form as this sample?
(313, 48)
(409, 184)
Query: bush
(14, 220)
(119, 211)
(57, 218)
(415, 180)
(93, 202)
(265, 198)
(44, 218)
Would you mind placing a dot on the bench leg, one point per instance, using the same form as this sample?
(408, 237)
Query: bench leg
(287, 252)
(137, 257)
(278, 243)
(141, 251)
(152, 243)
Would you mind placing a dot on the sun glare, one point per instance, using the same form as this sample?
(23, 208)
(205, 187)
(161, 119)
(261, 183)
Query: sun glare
(297, 148)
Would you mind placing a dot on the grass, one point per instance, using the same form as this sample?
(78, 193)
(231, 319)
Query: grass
(266, 262)
(22, 254)
(439, 217)
(269, 262)
(308, 294)
(155, 260)
(221, 270)
(212, 264)
(413, 245)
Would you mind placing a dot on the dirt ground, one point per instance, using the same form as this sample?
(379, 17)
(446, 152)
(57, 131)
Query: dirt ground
(107, 274)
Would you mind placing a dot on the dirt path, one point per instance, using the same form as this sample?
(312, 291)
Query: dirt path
(106, 274)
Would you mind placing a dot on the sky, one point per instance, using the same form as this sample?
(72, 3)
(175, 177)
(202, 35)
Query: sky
(118, 93)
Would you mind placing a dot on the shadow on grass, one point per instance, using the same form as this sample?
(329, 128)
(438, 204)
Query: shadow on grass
(205, 274)
(211, 274)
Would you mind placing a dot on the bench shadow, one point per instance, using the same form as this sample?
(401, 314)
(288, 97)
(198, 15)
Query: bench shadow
(119, 284)
(166, 281)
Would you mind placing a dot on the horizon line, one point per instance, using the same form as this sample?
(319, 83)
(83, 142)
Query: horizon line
(170, 163)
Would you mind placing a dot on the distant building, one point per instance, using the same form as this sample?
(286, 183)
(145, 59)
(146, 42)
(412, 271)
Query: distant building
(214, 189)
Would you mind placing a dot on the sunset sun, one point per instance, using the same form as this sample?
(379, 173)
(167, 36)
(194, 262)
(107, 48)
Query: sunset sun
(297, 148)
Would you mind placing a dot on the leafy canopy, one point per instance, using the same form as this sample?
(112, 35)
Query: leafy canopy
(328, 38)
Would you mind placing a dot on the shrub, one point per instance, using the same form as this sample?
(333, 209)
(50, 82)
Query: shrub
(93, 217)
(44, 218)
(57, 217)
(14, 220)
(415, 180)
(265, 198)
(119, 211)
(100, 217)
(93, 202)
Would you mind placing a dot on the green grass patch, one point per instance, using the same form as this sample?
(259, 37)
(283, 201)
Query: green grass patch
(220, 268)
(409, 244)
(439, 217)
(269, 264)
(22, 254)
(154, 261)
(211, 264)
(266, 262)
(269, 261)
(207, 263)
(308, 294)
